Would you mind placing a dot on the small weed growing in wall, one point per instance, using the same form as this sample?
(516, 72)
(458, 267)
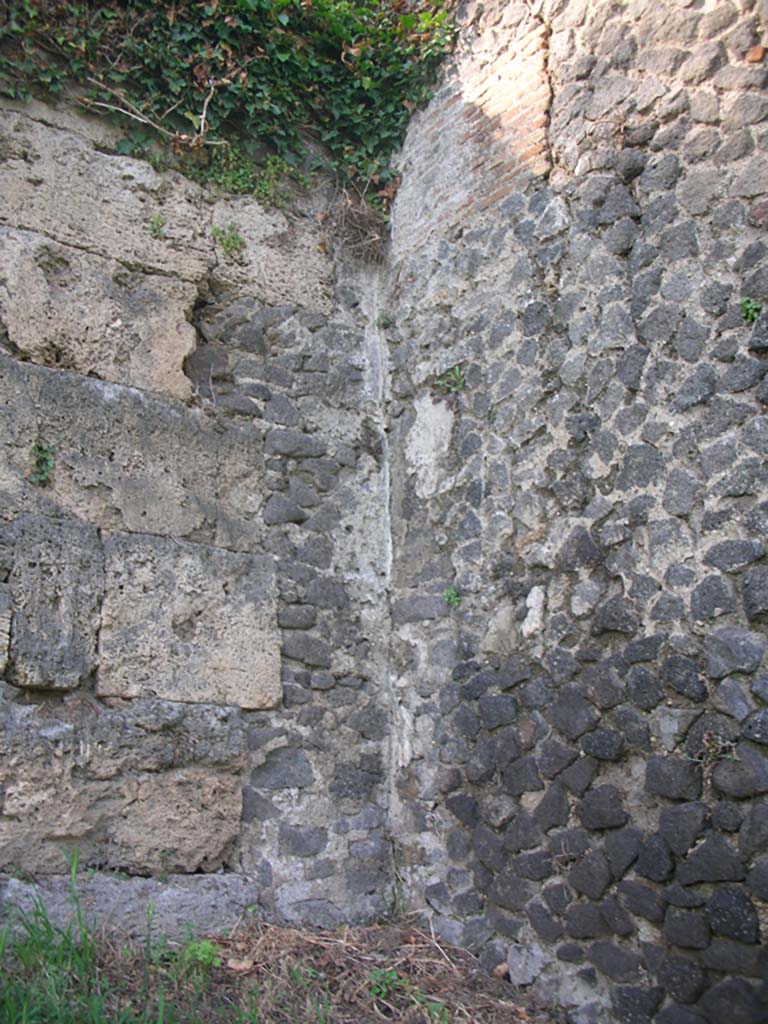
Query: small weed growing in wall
(43, 456)
(751, 309)
(270, 188)
(384, 320)
(156, 224)
(450, 383)
(714, 749)
(229, 238)
(452, 597)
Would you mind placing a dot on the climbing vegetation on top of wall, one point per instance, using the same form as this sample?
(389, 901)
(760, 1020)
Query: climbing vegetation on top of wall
(223, 80)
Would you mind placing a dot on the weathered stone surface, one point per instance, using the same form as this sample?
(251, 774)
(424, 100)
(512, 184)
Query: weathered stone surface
(633, 1004)
(655, 859)
(592, 875)
(686, 928)
(128, 461)
(209, 903)
(206, 619)
(681, 825)
(120, 788)
(733, 650)
(106, 210)
(733, 555)
(642, 900)
(755, 592)
(681, 978)
(72, 309)
(602, 808)
(572, 714)
(713, 860)
(55, 592)
(283, 257)
(673, 777)
(731, 913)
(734, 1000)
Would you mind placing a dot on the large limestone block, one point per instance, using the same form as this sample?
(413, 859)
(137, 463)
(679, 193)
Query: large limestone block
(283, 259)
(55, 589)
(128, 461)
(189, 623)
(154, 788)
(56, 182)
(74, 310)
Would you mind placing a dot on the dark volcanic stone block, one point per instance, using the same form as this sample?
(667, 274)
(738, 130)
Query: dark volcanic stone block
(554, 808)
(655, 860)
(714, 860)
(604, 744)
(733, 650)
(642, 900)
(732, 957)
(613, 961)
(754, 590)
(733, 1001)
(683, 979)
(733, 555)
(731, 913)
(571, 714)
(622, 848)
(578, 776)
(591, 875)
(681, 825)
(673, 777)
(602, 808)
(743, 776)
(496, 711)
(634, 1004)
(509, 891)
(584, 921)
(683, 675)
(686, 928)
(543, 922)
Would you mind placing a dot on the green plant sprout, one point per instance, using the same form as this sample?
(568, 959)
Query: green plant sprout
(156, 224)
(384, 320)
(451, 382)
(229, 238)
(452, 597)
(200, 955)
(751, 309)
(382, 982)
(43, 456)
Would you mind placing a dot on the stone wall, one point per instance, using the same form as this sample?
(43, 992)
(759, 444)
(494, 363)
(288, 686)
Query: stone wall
(193, 622)
(228, 656)
(580, 744)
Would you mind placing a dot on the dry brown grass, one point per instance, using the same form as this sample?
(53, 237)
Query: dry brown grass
(365, 975)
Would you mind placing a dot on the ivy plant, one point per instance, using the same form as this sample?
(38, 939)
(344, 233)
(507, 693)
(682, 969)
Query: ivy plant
(205, 75)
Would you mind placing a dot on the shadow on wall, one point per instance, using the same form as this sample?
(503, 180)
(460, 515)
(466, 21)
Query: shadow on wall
(485, 132)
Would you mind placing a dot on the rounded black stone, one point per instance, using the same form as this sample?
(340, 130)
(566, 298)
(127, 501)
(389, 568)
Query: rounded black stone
(642, 900)
(604, 744)
(733, 1001)
(655, 860)
(731, 913)
(682, 979)
(686, 928)
(602, 808)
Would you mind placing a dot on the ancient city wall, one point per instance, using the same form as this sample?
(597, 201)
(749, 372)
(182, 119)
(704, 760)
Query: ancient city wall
(232, 677)
(580, 743)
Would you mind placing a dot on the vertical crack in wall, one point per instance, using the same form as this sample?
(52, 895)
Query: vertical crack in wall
(377, 362)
